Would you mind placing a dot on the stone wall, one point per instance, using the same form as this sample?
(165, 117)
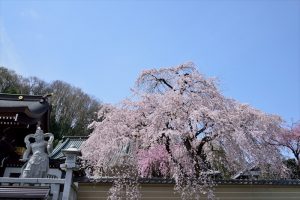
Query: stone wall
(226, 191)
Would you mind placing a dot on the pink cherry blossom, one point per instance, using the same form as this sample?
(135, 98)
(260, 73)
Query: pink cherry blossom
(179, 125)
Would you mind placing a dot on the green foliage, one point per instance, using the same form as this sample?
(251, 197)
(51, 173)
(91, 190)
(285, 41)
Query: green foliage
(293, 167)
(9, 81)
(72, 109)
(220, 164)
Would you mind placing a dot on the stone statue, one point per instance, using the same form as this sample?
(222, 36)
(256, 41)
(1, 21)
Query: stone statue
(37, 164)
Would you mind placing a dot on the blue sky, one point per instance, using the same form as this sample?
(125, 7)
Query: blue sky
(253, 47)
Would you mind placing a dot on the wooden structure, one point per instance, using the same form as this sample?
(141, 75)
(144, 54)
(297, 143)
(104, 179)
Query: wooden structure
(19, 116)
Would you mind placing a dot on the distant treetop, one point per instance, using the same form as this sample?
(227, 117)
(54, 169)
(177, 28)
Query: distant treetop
(72, 109)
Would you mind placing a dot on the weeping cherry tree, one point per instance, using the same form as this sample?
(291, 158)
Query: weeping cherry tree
(178, 125)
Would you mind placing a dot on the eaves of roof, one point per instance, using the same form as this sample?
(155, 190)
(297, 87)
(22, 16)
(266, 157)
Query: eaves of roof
(32, 106)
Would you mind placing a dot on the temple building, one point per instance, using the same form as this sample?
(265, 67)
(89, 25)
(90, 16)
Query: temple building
(19, 116)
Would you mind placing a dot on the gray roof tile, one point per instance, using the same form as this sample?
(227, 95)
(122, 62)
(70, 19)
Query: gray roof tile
(66, 143)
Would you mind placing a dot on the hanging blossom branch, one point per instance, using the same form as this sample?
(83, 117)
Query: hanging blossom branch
(288, 138)
(169, 126)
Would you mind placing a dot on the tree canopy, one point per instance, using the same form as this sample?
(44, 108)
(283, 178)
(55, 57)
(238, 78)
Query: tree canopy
(289, 138)
(72, 109)
(179, 125)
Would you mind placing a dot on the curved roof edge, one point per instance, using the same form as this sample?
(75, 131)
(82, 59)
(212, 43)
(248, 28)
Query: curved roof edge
(34, 106)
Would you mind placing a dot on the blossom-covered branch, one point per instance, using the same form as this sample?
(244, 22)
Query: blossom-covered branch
(179, 125)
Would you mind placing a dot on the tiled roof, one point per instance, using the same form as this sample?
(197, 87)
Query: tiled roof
(66, 143)
(246, 171)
